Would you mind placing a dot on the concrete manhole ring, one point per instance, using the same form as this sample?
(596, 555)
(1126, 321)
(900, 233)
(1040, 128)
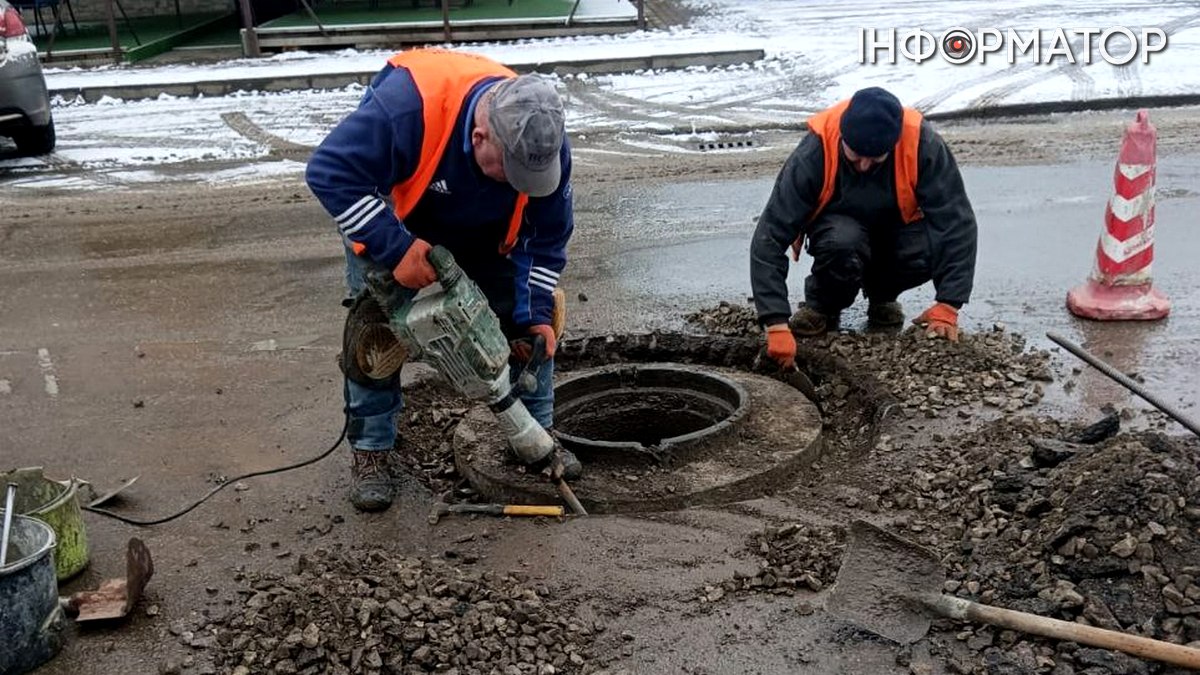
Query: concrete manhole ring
(654, 437)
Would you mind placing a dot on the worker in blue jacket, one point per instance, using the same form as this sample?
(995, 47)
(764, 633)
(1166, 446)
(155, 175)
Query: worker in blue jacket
(451, 149)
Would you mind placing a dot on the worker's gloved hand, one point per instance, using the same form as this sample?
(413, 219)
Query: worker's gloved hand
(781, 345)
(521, 349)
(414, 270)
(940, 320)
(547, 332)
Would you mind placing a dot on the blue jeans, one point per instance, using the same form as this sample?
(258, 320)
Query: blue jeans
(373, 411)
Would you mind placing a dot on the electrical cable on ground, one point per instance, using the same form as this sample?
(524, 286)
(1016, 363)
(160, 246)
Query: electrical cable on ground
(158, 521)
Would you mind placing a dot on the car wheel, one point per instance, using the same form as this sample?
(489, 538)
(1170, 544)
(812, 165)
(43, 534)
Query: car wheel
(35, 140)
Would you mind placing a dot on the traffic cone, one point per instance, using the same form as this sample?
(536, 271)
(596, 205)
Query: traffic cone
(1119, 288)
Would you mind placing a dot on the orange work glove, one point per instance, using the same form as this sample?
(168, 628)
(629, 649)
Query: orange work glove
(521, 348)
(781, 345)
(941, 320)
(414, 270)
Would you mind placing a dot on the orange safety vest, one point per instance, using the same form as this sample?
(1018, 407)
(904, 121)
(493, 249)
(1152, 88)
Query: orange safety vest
(827, 126)
(444, 79)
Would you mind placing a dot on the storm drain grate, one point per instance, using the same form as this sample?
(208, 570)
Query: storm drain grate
(726, 145)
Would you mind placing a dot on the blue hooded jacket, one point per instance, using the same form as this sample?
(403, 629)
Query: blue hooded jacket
(378, 146)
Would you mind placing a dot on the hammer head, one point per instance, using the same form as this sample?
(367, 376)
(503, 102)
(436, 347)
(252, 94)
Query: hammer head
(437, 512)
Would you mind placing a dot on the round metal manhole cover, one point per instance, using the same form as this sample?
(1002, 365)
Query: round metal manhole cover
(655, 437)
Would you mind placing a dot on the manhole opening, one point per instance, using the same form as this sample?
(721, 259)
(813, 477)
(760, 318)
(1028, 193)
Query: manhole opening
(644, 407)
(646, 418)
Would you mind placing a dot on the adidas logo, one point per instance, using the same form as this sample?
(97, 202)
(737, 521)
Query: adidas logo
(440, 186)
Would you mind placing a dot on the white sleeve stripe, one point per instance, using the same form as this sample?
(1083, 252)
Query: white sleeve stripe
(541, 285)
(357, 207)
(547, 272)
(353, 218)
(365, 219)
(364, 216)
(543, 278)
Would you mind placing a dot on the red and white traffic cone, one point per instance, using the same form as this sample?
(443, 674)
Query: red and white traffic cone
(1120, 286)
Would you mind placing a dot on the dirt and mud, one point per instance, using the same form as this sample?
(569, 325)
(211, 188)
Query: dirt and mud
(1082, 522)
(191, 336)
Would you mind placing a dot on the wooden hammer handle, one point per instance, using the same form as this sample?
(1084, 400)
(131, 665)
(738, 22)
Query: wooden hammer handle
(957, 608)
(532, 510)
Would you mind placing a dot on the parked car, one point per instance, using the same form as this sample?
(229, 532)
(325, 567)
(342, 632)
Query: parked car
(24, 101)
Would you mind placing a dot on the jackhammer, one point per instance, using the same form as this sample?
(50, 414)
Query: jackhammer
(452, 329)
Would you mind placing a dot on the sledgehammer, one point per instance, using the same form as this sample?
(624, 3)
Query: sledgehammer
(495, 510)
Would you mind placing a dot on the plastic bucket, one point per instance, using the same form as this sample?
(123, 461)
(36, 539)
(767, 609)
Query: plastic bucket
(56, 504)
(31, 620)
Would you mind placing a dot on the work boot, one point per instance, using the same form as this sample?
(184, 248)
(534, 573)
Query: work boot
(571, 466)
(808, 321)
(885, 314)
(372, 488)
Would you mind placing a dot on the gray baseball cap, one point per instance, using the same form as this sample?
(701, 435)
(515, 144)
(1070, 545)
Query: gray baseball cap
(526, 115)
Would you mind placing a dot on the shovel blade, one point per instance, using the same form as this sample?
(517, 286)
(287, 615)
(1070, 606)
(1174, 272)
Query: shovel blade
(113, 492)
(881, 581)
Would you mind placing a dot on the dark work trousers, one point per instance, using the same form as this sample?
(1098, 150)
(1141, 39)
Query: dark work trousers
(882, 260)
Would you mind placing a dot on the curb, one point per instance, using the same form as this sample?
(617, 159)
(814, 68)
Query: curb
(1052, 107)
(1010, 110)
(338, 80)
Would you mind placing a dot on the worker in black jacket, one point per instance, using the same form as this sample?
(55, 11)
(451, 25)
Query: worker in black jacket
(878, 197)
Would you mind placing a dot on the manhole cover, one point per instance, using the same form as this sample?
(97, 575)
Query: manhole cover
(655, 437)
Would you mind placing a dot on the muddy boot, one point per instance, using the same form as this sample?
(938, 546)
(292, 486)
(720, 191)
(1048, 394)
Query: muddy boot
(571, 466)
(372, 488)
(808, 321)
(885, 314)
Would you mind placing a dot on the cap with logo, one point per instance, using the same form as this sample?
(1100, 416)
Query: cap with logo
(526, 115)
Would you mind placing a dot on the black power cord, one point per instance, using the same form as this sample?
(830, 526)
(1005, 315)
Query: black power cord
(222, 486)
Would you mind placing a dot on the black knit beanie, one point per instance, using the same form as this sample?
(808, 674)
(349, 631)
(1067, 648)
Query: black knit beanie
(871, 124)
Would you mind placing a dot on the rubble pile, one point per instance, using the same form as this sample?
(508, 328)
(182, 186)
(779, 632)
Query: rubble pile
(425, 429)
(368, 612)
(727, 319)
(793, 557)
(933, 376)
(1106, 534)
(930, 376)
(425, 435)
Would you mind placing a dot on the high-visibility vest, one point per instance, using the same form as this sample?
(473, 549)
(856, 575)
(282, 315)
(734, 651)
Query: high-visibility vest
(827, 126)
(445, 78)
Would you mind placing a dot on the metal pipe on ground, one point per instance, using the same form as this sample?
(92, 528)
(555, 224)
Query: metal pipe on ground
(1125, 381)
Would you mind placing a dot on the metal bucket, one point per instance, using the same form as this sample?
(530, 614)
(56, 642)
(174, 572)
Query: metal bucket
(55, 503)
(31, 620)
